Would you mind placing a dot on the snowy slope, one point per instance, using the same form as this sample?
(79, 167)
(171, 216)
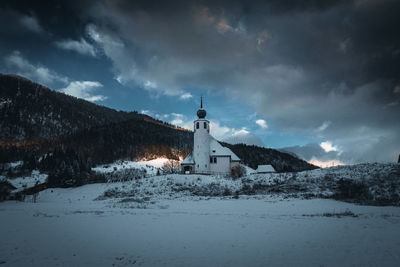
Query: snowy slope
(151, 166)
(24, 182)
(377, 184)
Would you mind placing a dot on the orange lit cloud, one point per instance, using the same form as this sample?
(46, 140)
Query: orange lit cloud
(325, 164)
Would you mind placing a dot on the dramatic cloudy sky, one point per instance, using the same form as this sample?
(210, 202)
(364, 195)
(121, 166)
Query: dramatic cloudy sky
(321, 77)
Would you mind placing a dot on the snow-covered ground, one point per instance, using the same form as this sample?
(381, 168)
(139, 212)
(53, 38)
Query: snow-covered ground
(204, 220)
(150, 166)
(377, 184)
(66, 227)
(127, 170)
(27, 181)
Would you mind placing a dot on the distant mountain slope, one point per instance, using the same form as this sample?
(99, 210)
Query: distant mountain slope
(66, 136)
(255, 155)
(31, 111)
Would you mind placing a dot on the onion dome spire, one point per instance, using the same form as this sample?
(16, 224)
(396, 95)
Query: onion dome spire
(201, 113)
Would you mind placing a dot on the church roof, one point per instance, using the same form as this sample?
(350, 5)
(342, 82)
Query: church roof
(216, 149)
(188, 159)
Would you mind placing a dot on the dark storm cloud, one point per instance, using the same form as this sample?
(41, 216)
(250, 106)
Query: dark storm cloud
(301, 64)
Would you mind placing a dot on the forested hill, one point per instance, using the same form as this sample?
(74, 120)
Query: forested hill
(31, 111)
(57, 133)
(253, 156)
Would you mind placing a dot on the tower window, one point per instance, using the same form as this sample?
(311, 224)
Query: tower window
(197, 125)
(205, 125)
(213, 159)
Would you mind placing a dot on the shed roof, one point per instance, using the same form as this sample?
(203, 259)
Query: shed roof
(265, 168)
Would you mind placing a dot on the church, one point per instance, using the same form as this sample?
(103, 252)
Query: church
(208, 155)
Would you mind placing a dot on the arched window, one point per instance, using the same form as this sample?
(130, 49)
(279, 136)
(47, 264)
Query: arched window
(205, 125)
(197, 125)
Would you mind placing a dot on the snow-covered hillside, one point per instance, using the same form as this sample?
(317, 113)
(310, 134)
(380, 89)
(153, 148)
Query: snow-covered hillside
(23, 182)
(27, 181)
(150, 166)
(377, 184)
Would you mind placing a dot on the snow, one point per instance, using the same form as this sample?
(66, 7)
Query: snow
(5, 102)
(248, 169)
(200, 220)
(380, 181)
(151, 166)
(66, 227)
(21, 183)
(15, 164)
(158, 162)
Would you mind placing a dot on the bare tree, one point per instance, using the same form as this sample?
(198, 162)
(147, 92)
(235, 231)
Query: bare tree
(36, 193)
(171, 166)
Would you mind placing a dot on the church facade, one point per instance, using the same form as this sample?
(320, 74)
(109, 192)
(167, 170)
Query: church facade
(208, 155)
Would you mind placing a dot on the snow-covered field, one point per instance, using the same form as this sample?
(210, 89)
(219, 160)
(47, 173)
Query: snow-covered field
(67, 227)
(146, 219)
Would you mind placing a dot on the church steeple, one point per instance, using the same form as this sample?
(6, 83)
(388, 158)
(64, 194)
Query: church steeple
(201, 113)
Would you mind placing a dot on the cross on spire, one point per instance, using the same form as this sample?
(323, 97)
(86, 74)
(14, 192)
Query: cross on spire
(201, 113)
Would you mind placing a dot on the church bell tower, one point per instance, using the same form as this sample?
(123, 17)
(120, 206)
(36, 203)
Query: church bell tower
(201, 149)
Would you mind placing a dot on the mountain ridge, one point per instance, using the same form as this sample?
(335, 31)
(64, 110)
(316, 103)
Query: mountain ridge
(32, 111)
(66, 136)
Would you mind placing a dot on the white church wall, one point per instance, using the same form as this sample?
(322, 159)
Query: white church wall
(223, 165)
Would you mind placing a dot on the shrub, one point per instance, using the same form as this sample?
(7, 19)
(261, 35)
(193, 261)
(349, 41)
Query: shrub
(247, 190)
(237, 171)
(5, 189)
(348, 189)
(227, 192)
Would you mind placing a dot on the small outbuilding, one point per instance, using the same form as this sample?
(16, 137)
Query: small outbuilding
(265, 169)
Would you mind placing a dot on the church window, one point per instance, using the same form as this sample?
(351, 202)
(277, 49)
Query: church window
(197, 125)
(215, 159)
(205, 125)
(211, 160)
